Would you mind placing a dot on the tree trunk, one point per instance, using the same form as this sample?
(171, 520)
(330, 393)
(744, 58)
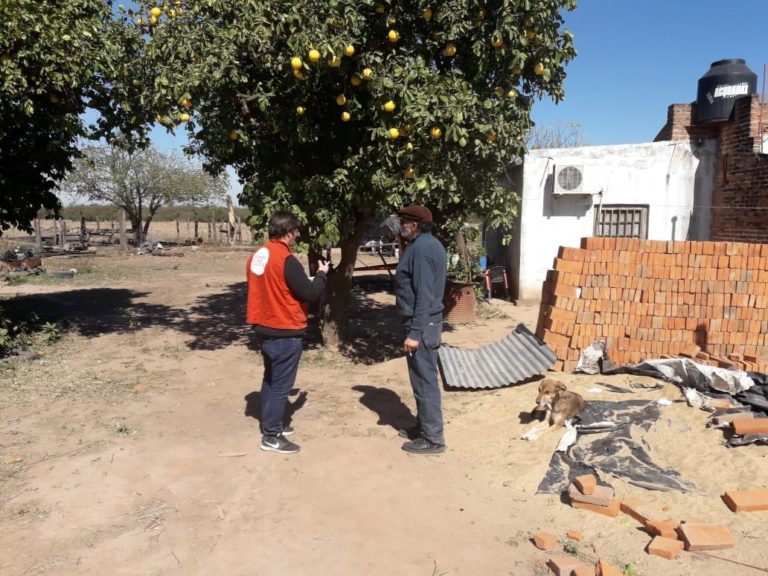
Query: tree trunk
(340, 288)
(464, 255)
(137, 235)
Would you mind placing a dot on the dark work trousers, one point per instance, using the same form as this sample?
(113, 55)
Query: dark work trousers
(422, 371)
(281, 364)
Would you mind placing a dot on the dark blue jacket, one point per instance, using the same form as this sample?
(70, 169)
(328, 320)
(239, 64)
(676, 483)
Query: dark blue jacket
(420, 283)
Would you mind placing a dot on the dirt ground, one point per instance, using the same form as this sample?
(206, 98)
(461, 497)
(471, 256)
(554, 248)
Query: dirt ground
(131, 447)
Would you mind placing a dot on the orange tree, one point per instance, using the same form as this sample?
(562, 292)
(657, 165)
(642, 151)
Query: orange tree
(342, 109)
(57, 60)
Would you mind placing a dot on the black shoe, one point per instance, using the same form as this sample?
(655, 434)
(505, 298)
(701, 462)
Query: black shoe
(278, 444)
(423, 446)
(287, 431)
(411, 433)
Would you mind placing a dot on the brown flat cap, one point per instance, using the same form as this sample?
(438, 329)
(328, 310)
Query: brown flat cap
(415, 213)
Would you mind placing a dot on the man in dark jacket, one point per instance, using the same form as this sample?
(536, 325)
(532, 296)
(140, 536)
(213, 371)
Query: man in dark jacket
(420, 283)
(279, 292)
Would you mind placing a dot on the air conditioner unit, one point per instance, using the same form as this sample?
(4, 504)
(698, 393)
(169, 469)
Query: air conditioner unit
(569, 180)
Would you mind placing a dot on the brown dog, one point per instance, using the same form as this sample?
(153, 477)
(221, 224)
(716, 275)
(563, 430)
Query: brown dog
(558, 404)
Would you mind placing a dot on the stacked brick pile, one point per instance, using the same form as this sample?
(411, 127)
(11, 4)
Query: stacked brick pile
(654, 299)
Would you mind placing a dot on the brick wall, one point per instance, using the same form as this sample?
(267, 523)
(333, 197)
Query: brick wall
(653, 299)
(740, 200)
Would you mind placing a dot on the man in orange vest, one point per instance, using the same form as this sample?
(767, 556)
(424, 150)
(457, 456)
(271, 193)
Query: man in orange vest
(279, 293)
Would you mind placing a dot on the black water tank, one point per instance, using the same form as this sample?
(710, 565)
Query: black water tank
(718, 89)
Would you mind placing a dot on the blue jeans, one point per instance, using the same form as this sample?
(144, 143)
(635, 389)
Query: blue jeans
(422, 371)
(281, 364)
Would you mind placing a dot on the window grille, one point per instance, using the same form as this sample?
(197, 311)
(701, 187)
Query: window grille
(622, 221)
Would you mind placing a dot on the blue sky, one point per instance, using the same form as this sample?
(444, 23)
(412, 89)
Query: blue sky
(636, 57)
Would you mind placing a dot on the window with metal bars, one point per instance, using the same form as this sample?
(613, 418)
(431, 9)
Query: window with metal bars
(622, 221)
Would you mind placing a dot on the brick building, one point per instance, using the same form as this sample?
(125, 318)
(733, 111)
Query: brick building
(740, 196)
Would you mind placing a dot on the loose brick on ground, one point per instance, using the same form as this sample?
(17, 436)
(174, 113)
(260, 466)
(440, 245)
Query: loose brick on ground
(574, 535)
(666, 528)
(611, 510)
(746, 500)
(753, 426)
(564, 565)
(705, 537)
(601, 496)
(602, 568)
(544, 540)
(668, 548)
(586, 483)
(642, 512)
(583, 571)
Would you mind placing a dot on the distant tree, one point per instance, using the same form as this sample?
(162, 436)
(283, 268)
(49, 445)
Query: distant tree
(141, 182)
(58, 59)
(346, 108)
(558, 135)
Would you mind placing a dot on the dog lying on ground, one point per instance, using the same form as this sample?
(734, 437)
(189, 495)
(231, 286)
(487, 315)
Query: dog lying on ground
(559, 405)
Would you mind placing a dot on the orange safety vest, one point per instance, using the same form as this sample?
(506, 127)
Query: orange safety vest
(270, 302)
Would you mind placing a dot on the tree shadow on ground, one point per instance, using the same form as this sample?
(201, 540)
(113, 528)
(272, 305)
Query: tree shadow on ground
(374, 331)
(217, 320)
(96, 311)
(388, 405)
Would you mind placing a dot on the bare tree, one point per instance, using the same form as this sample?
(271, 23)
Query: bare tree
(141, 182)
(558, 135)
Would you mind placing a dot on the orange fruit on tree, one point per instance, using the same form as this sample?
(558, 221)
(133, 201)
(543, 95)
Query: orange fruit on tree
(300, 110)
(394, 133)
(334, 63)
(313, 55)
(393, 36)
(367, 73)
(410, 173)
(296, 63)
(435, 132)
(349, 50)
(345, 116)
(341, 99)
(538, 69)
(156, 12)
(450, 50)
(427, 14)
(234, 135)
(355, 80)
(389, 106)
(497, 42)
(183, 117)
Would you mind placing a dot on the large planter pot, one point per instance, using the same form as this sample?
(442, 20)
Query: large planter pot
(459, 302)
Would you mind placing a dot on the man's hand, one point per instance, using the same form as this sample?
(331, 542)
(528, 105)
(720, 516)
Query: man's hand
(410, 346)
(322, 266)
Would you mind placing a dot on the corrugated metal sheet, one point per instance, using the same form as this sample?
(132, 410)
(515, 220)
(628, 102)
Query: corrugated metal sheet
(517, 357)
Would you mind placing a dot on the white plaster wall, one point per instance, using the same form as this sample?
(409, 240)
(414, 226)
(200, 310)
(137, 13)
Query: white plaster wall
(668, 177)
